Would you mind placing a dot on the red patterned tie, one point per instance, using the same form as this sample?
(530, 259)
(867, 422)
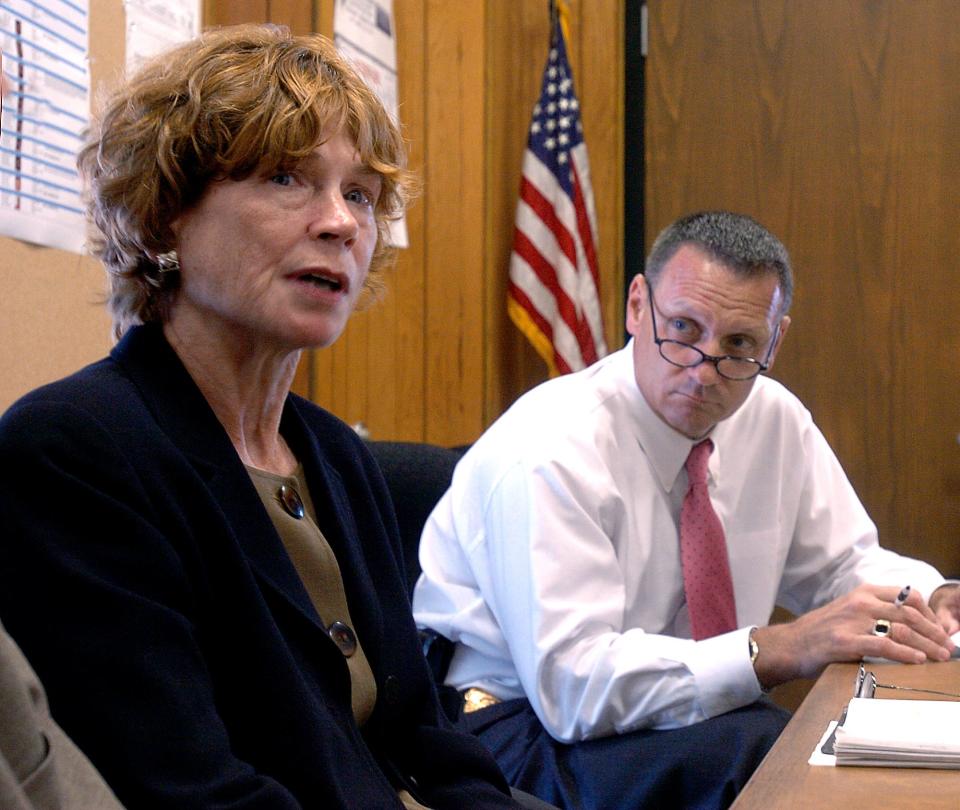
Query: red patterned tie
(703, 554)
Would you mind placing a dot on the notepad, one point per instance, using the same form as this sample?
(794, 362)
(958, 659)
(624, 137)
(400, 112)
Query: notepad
(900, 733)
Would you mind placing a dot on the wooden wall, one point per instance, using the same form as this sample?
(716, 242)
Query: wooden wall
(437, 358)
(835, 123)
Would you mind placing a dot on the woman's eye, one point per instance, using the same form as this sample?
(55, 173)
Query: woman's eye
(359, 196)
(282, 179)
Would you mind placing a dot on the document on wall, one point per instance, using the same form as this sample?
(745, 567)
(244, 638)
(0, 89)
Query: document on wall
(45, 47)
(900, 733)
(364, 33)
(154, 26)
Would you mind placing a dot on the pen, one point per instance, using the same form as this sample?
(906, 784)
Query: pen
(902, 596)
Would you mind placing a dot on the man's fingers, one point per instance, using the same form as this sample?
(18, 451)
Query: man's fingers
(903, 643)
(916, 620)
(918, 603)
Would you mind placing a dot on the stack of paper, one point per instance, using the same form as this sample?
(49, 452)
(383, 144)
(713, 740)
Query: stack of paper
(900, 733)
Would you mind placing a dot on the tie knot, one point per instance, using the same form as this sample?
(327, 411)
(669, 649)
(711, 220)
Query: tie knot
(697, 462)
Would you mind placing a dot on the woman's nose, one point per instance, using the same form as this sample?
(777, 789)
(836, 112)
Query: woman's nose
(333, 219)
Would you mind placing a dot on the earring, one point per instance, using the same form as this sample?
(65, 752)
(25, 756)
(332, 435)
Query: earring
(168, 262)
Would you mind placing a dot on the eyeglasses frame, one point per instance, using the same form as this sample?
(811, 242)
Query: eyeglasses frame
(704, 357)
(865, 686)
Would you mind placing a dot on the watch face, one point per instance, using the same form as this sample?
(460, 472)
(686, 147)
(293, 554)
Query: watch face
(754, 651)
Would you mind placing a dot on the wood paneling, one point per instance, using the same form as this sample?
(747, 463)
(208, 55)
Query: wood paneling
(297, 14)
(834, 122)
(518, 50)
(234, 12)
(455, 217)
(600, 63)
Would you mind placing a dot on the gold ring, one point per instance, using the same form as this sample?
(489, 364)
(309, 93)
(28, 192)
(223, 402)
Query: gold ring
(882, 627)
(475, 699)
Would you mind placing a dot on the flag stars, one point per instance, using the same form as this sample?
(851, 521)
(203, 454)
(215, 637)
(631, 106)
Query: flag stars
(555, 129)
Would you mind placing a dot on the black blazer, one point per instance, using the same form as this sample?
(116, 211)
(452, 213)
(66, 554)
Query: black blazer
(144, 580)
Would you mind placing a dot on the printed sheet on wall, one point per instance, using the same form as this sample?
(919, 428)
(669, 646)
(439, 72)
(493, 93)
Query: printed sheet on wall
(363, 31)
(45, 47)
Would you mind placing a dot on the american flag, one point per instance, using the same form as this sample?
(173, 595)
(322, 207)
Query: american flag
(553, 291)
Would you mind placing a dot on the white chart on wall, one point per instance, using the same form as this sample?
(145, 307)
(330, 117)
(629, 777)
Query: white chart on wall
(45, 47)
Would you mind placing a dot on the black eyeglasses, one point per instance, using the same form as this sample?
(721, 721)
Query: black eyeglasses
(866, 686)
(685, 355)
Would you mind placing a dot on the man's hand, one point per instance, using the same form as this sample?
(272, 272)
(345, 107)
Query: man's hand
(843, 631)
(945, 603)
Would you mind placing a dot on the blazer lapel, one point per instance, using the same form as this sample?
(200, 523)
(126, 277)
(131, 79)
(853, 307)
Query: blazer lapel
(184, 415)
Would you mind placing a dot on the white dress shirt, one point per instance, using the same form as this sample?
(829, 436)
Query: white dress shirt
(553, 559)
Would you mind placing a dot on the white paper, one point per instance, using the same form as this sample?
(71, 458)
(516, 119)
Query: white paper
(154, 26)
(364, 33)
(820, 758)
(45, 47)
(914, 733)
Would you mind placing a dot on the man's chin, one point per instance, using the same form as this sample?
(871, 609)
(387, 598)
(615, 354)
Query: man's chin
(693, 421)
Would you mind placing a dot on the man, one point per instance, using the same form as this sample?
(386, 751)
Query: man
(40, 767)
(575, 562)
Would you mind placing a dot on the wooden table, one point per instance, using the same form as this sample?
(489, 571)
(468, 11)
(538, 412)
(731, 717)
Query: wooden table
(785, 780)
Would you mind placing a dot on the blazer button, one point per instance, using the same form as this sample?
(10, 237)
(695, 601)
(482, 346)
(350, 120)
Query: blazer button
(391, 690)
(343, 636)
(291, 501)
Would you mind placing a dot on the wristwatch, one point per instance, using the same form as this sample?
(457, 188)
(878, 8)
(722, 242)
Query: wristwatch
(754, 652)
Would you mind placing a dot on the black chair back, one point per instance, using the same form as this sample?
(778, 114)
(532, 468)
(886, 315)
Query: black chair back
(417, 475)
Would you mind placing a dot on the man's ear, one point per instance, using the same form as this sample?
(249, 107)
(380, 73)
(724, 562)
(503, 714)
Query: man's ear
(636, 303)
(784, 326)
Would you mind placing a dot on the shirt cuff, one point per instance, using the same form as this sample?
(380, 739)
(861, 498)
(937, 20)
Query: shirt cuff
(723, 673)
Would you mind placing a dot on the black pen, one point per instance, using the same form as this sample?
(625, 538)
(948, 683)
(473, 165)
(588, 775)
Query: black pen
(902, 596)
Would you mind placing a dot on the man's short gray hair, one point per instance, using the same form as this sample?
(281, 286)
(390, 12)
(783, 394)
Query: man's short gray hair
(736, 240)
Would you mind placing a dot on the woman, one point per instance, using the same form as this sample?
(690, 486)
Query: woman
(203, 568)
